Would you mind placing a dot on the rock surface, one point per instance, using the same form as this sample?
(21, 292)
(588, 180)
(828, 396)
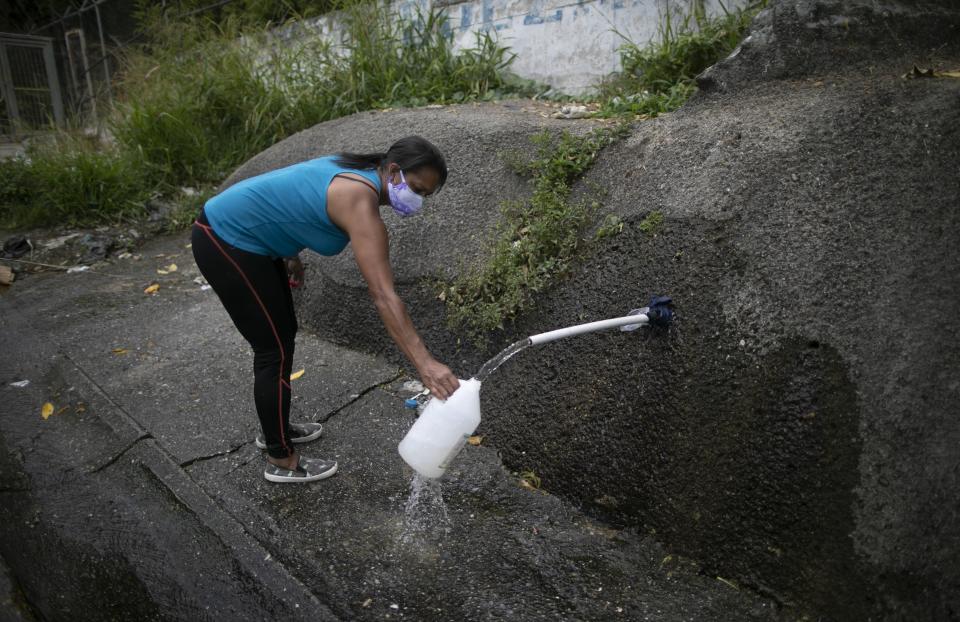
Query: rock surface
(796, 430)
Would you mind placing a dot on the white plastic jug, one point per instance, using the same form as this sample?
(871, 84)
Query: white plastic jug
(442, 430)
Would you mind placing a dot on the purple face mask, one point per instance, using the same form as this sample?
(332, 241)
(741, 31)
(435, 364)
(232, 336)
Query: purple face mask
(404, 201)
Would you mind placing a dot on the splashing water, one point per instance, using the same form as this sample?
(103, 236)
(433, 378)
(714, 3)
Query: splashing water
(426, 512)
(490, 366)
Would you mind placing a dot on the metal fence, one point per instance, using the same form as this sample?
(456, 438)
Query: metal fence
(60, 72)
(29, 84)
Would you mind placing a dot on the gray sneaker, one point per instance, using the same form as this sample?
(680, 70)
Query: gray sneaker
(308, 470)
(299, 433)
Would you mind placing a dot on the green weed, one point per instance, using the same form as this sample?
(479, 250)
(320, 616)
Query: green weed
(536, 241)
(203, 96)
(71, 182)
(652, 223)
(203, 105)
(659, 77)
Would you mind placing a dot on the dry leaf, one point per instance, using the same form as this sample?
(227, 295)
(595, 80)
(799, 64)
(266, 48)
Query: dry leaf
(950, 74)
(475, 440)
(161, 271)
(172, 267)
(297, 374)
(47, 410)
(119, 350)
(152, 289)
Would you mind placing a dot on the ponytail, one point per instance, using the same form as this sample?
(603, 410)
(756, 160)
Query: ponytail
(360, 161)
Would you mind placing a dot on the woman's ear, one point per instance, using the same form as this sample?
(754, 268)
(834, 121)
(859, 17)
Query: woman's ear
(393, 170)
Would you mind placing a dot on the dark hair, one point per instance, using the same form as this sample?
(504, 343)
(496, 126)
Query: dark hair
(410, 153)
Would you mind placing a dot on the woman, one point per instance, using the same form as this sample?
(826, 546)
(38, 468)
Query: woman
(246, 242)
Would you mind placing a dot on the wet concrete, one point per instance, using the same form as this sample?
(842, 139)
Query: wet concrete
(142, 496)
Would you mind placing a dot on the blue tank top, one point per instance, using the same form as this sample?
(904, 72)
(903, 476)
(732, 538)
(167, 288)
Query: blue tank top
(282, 212)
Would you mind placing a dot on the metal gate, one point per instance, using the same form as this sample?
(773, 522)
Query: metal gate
(29, 86)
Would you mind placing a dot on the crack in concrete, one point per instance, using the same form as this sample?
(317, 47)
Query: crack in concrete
(119, 454)
(193, 461)
(399, 374)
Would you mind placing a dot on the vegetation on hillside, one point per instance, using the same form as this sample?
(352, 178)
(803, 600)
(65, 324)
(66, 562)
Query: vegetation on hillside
(659, 77)
(202, 97)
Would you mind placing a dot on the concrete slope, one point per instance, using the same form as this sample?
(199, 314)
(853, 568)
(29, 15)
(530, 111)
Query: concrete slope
(797, 429)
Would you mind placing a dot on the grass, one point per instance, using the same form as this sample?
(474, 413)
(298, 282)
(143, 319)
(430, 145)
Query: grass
(203, 97)
(200, 108)
(71, 181)
(659, 77)
(537, 240)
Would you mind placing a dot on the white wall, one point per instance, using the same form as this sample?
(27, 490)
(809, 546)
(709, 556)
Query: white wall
(570, 45)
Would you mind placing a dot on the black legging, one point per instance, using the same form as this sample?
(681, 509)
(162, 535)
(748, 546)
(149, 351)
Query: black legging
(255, 291)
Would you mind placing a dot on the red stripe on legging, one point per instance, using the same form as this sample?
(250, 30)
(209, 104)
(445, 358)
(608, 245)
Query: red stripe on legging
(209, 232)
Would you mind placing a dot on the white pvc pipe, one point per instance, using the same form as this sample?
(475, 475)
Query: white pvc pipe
(589, 327)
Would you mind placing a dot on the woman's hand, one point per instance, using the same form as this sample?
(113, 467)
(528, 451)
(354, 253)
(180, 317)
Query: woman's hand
(295, 271)
(438, 378)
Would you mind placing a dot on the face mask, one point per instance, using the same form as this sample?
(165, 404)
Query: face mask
(404, 201)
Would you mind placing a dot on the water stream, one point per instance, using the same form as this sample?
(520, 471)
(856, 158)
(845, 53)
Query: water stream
(425, 513)
(490, 366)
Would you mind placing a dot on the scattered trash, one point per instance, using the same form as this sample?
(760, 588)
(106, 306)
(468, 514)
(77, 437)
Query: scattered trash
(200, 280)
(20, 384)
(571, 112)
(297, 374)
(58, 242)
(158, 210)
(412, 385)
(16, 246)
(367, 603)
(6, 275)
(475, 440)
(98, 246)
(124, 255)
(77, 269)
(152, 289)
(204, 288)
